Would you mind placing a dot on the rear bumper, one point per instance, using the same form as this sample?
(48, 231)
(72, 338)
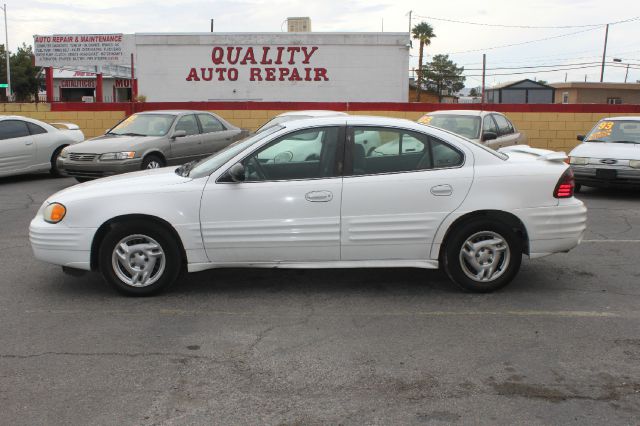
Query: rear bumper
(61, 245)
(554, 229)
(589, 176)
(97, 169)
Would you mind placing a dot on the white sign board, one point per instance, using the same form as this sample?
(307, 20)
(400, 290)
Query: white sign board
(79, 49)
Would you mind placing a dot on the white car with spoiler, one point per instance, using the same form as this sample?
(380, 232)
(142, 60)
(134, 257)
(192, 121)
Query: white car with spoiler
(28, 145)
(429, 199)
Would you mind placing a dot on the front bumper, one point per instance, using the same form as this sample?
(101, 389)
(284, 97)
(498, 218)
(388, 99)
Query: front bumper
(606, 176)
(60, 244)
(97, 169)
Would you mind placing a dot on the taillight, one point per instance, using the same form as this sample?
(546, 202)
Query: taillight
(565, 186)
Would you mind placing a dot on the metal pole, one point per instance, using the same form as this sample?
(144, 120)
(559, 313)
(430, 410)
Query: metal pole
(212, 25)
(627, 74)
(6, 50)
(604, 52)
(484, 68)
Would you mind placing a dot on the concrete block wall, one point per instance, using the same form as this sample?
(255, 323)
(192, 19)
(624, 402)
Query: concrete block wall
(552, 126)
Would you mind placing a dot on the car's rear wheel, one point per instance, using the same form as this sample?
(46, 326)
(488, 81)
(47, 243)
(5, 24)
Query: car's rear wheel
(139, 258)
(152, 161)
(482, 255)
(54, 170)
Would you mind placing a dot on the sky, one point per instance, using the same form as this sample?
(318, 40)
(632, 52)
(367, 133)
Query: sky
(465, 43)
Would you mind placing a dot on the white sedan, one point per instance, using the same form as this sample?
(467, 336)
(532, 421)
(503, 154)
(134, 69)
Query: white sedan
(28, 145)
(609, 154)
(450, 203)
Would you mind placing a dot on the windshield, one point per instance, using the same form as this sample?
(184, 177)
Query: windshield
(144, 125)
(208, 165)
(279, 120)
(463, 125)
(620, 131)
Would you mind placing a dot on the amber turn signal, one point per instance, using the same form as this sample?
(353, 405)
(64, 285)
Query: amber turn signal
(54, 212)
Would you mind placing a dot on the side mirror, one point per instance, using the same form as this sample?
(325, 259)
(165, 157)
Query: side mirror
(489, 136)
(179, 134)
(236, 172)
(580, 138)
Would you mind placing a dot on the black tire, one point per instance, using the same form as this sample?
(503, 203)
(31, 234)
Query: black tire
(54, 171)
(152, 161)
(162, 273)
(459, 267)
(81, 180)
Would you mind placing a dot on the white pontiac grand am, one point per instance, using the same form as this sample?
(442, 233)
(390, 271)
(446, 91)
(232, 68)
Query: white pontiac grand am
(443, 202)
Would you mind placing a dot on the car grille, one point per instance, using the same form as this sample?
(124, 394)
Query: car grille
(84, 173)
(82, 157)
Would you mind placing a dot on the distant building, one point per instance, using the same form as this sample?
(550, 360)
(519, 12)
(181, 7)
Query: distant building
(597, 93)
(520, 92)
(299, 25)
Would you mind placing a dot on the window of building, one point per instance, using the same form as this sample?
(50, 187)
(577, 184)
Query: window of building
(565, 97)
(614, 101)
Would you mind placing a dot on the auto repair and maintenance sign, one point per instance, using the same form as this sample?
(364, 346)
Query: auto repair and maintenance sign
(79, 49)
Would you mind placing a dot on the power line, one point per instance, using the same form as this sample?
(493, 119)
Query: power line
(522, 43)
(527, 26)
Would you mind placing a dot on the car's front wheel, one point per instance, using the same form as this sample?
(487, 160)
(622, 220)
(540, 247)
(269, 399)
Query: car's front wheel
(152, 161)
(482, 255)
(54, 170)
(139, 258)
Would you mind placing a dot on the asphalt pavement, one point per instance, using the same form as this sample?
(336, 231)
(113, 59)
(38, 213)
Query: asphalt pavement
(560, 345)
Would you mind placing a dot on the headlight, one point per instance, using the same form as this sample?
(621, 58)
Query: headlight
(635, 164)
(64, 152)
(579, 161)
(54, 212)
(117, 155)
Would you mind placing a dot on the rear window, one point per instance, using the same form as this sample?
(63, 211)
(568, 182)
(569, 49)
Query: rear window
(464, 125)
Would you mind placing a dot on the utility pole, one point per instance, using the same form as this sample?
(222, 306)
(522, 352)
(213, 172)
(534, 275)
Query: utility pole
(484, 70)
(410, 12)
(6, 52)
(212, 25)
(627, 74)
(604, 52)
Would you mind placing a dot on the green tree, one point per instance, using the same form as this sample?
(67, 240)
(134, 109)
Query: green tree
(443, 74)
(24, 74)
(424, 33)
(473, 92)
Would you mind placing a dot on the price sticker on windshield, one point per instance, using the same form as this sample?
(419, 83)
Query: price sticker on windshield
(425, 119)
(603, 131)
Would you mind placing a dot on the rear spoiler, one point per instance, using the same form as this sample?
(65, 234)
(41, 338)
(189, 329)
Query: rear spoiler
(541, 154)
(65, 126)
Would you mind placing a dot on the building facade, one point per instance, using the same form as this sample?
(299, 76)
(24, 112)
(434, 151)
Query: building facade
(597, 93)
(520, 92)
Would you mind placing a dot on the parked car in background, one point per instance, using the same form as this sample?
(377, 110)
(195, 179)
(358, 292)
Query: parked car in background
(487, 127)
(609, 154)
(28, 145)
(448, 202)
(299, 115)
(149, 140)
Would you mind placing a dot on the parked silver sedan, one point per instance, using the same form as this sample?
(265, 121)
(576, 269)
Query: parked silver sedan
(489, 128)
(28, 145)
(149, 140)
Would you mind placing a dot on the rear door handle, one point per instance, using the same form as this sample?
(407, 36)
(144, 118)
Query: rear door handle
(442, 190)
(319, 196)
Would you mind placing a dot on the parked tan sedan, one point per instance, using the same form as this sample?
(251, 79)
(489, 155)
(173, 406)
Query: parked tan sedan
(487, 127)
(149, 140)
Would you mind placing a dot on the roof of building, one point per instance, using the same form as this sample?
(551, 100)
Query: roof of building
(508, 84)
(596, 85)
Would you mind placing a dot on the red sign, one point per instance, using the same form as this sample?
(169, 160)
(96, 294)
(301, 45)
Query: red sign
(266, 55)
(122, 83)
(77, 84)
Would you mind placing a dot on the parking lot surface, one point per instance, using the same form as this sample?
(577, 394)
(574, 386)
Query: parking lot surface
(560, 345)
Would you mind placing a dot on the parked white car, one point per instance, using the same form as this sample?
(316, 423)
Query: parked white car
(490, 128)
(609, 154)
(452, 203)
(28, 145)
(300, 115)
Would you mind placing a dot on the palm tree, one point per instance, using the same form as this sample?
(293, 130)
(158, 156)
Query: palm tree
(424, 33)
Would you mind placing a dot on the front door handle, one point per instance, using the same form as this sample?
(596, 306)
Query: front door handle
(442, 190)
(319, 196)
(28, 142)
